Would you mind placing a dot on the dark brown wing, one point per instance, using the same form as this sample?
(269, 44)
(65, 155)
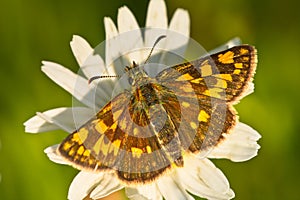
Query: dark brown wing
(216, 81)
(122, 139)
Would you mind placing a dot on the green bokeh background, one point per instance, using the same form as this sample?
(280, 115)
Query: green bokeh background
(32, 31)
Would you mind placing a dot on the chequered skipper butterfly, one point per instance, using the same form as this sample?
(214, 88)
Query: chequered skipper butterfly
(142, 132)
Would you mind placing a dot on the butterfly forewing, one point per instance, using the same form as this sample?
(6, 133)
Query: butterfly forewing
(229, 72)
(109, 141)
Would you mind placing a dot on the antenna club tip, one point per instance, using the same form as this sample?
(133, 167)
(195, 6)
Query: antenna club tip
(97, 77)
(93, 78)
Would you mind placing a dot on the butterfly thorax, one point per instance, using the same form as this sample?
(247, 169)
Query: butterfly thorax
(144, 95)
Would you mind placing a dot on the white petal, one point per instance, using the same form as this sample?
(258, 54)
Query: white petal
(94, 66)
(212, 176)
(130, 38)
(67, 80)
(202, 178)
(231, 43)
(106, 185)
(110, 28)
(157, 15)
(81, 49)
(172, 190)
(180, 22)
(115, 63)
(179, 31)
(65, 118)
(54, 156)
(36, 124)
(126, 20)
(75, 85)
(143, 192)
(91, 65)
(83, 184)
(156, 22)
(238, 146)
(112, 46)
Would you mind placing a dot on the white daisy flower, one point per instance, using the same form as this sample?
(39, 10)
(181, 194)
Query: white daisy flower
(199, 175)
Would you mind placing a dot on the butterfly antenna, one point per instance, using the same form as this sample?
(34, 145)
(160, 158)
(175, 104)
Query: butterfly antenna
(97, 77)
(106, 76)
(155, 43)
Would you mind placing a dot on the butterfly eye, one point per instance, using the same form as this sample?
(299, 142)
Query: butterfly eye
(130, 80)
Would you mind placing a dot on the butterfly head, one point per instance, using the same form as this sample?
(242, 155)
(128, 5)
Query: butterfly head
(136, 74)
